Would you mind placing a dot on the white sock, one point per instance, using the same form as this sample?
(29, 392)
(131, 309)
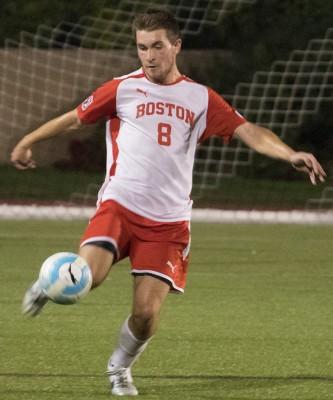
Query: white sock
(129, 348)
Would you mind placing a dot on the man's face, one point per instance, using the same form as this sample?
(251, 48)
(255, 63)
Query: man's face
(157, 55)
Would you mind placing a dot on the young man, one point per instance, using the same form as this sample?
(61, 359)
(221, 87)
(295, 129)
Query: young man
(155, 117)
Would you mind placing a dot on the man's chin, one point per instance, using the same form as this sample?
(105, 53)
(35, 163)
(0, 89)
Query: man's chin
(154, 76)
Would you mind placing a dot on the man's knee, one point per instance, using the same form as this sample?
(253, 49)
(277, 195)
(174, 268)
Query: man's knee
(149, 295)
(99, 260)
(144, 321)
(145, 314)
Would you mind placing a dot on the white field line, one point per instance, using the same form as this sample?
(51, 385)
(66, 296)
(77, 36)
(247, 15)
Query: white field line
(37, 212)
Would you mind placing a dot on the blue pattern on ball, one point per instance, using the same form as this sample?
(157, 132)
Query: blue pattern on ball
(50, 275)
(54, 273)
(72, 290)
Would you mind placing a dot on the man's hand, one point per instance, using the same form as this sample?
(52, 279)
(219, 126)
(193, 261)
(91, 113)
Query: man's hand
(307, 163)
(21, 157)
(266, 142)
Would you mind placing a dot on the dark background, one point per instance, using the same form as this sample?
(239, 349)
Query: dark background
(255, 35)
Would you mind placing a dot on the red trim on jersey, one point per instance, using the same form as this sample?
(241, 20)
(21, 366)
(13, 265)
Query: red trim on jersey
(181, 78)
(222, 119)
(114, 132)
(187, 79)
(140, 75)
(102, 102)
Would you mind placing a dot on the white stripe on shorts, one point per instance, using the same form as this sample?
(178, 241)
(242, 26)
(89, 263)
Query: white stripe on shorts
(148, 271)
(101, 239)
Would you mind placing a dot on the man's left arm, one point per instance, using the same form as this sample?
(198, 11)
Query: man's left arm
(264, 141)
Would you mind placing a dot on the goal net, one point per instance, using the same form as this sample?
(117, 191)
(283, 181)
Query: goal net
(53, 69)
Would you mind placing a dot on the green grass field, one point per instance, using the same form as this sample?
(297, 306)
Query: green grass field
(255, 322)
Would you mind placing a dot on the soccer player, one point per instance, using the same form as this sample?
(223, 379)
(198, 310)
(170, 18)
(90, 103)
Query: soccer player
(155, 118)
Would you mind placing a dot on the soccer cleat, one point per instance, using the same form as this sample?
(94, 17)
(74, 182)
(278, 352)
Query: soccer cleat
(121, 381)
(34, 300)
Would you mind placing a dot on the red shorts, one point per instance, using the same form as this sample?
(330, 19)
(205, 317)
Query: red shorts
(154, 248)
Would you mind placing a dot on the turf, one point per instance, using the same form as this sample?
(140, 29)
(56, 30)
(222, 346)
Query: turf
(255, 322)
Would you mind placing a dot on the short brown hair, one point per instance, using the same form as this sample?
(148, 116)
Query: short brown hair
(153, 19)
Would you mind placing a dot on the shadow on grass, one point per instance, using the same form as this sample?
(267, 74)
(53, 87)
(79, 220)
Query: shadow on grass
(164, 387)
(178, 377)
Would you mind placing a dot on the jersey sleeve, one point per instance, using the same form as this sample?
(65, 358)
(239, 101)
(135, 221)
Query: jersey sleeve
(101, 104)
(222, 119)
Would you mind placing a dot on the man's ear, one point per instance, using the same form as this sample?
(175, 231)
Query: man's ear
(178, 45)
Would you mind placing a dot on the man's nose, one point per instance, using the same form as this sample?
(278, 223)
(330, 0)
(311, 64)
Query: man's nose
(151, 55)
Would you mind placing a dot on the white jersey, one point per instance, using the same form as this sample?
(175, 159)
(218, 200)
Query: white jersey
(152, 132)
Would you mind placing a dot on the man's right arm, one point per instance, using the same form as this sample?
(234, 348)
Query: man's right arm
(21, 155)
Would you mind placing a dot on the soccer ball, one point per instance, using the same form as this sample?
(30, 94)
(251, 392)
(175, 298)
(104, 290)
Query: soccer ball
(65, 278)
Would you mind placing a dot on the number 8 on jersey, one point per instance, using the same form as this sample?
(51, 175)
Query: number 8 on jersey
(164, 134)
